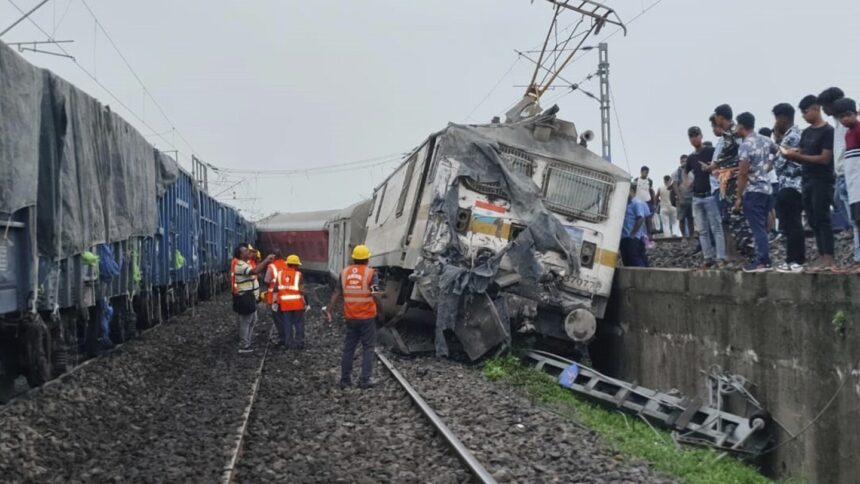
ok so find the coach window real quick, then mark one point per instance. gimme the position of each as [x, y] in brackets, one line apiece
[381, 201]
[407, 181]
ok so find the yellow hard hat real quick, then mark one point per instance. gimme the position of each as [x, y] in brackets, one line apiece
[294, 260]
[360, 252]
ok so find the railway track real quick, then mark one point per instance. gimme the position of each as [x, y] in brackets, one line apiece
[464, 454]
[299, 426]
[229, 475]
[478, 471]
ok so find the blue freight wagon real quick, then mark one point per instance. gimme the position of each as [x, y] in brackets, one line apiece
[101, 235]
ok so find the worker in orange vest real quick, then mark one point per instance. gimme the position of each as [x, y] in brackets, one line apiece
[362, 301]
[291, 303]
[271, 278]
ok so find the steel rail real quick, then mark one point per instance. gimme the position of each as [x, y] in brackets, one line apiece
[229, 474]
[462, 452]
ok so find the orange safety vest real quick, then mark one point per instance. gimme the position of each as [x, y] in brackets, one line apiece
[272, 273]
[358, 300]
[233, 287]
[289, 290]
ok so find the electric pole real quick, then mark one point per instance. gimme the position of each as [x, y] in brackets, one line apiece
[603, 71]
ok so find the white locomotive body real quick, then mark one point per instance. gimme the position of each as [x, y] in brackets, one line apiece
[500, 228]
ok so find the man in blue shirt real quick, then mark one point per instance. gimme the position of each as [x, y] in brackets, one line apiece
[754, 188]
[633, 232]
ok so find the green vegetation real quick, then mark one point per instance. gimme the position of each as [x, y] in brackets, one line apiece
[627, 434]
[839, 320]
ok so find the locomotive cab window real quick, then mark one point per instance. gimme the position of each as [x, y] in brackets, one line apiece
[518, 160]
[578, 192]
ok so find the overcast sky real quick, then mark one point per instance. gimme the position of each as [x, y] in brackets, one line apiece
[286, 85]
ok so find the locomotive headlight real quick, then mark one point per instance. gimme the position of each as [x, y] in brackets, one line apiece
[586, 254]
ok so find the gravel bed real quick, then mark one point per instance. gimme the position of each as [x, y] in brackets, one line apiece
[516, 440]
[677, 253]
[165, 408]
[305, 429]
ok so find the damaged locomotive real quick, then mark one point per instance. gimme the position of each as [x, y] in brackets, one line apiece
[489, 230]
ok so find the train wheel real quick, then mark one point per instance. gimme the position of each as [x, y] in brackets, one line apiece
[39, 353]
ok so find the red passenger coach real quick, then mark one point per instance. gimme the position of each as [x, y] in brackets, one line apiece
[303, 234]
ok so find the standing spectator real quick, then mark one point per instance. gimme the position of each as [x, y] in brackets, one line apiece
[753, 188]
[826, 99]
[668, 212]
[684, 195]
[645, 193]
[774, 183]
[727, 164]
[715, 171]
[633, 232]
[706, 213]
[816, 156]
[789, 201]
[846, 110]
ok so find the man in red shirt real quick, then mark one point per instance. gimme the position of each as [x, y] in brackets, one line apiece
[845, 110]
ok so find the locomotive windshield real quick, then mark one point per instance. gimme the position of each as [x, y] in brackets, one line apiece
[578, 192]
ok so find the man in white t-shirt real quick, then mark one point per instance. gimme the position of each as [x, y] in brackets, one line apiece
[668, 211]
[826, 100]
[645, 193]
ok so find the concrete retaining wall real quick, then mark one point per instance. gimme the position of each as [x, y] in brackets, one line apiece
[667, 326]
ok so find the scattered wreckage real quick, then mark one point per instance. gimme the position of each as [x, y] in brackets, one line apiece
[691, 420]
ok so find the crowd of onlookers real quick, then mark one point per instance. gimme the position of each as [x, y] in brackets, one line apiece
[752, 188]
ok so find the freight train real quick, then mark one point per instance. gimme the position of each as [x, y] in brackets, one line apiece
[101, 235]
[487, 230]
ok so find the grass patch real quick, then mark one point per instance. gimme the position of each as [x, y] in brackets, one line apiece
[626, 433]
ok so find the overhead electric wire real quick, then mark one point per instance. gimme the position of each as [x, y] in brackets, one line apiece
[325, 169]
[496, 86]
[94, 79]
[25, 16]
[136, 76]
[619, 29]
[620, 131]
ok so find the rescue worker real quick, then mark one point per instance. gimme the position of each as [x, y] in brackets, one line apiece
[247, 294]
[362, 301]
[291, 303]
[271, 279]
[233, 288]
